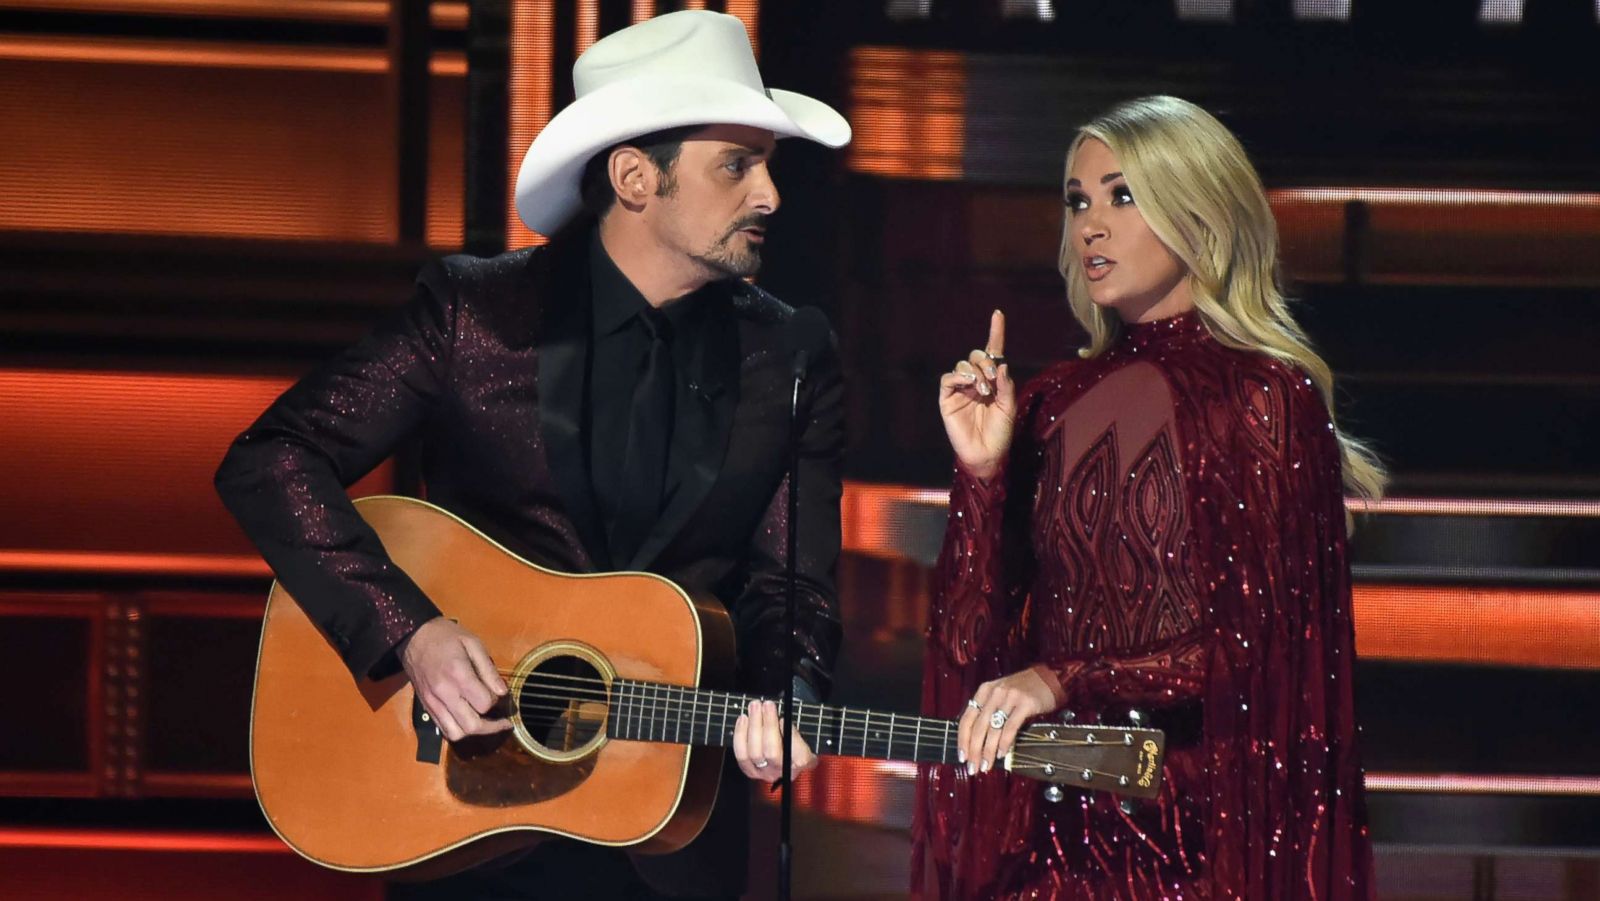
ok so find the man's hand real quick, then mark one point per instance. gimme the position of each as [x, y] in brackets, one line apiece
[454, 678]
[758, 744]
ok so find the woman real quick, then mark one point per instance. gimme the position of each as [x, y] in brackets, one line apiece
[1155, 527]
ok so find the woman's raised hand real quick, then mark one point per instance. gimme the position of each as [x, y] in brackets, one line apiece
[979, 404]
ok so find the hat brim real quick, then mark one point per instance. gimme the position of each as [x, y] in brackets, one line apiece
[547, 183]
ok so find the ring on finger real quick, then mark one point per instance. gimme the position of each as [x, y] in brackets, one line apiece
[997, 720]
[761, 764]
[973, 703]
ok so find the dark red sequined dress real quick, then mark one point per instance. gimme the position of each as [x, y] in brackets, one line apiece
[1168, 535]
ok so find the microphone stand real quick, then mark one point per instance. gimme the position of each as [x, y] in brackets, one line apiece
[785, 807]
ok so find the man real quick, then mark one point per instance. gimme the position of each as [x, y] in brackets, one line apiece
[618, 400]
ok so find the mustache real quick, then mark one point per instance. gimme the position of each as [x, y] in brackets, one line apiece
[754, 220]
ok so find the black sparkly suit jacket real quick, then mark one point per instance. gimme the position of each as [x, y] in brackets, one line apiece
[485, 369]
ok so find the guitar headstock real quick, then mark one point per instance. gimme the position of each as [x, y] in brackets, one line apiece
[1125, 760]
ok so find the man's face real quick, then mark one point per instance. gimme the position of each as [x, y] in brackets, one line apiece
[721, 193]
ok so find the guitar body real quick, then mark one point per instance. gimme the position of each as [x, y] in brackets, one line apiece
[335, 763]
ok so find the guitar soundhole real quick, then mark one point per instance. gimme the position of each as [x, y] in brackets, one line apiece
[563, 704]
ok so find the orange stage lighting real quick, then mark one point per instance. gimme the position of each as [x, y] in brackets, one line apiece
[118, 470]
[1484, 625]
[749, 12]
[444, 14]
[531, 97]
[1443, 236]
[141, 840]
[133, 141]
[588, 24]
[908, 111]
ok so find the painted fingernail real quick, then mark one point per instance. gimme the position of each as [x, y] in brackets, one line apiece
[961, 755]
[972, 768]
[985, 767]
[983, 388]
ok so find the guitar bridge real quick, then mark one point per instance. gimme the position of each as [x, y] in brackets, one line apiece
[430, 741]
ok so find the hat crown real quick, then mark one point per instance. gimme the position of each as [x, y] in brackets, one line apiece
[690, 42]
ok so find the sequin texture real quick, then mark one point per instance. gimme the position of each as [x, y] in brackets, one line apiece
[1168, 536]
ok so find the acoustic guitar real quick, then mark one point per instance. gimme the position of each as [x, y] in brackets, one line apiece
[619, 711]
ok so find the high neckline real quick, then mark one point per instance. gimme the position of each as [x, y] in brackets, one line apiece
[1172, 330]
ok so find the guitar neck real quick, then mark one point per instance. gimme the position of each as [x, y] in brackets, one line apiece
[648, 711]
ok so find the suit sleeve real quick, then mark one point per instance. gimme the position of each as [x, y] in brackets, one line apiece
[758, 613]
[284, 478]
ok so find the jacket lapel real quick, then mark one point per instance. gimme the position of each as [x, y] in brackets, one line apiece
[563, 370]
[700, 433]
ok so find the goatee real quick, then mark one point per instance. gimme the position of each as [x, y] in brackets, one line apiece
[735, 259]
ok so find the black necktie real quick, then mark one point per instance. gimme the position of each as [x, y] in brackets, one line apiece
[644, 461]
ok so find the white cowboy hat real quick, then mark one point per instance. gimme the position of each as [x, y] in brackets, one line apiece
[685, 68]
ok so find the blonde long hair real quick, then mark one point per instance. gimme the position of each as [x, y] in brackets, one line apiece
[1197, 190]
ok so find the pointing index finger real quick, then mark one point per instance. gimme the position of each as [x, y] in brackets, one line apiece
[997, 335]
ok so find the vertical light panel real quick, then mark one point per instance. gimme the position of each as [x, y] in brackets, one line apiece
[1322, 10]
[643, 9]
[1038, 10]
[532, 58]
[588, 28]
[1205, 10]
[1500, 12]
[908, 10]
[748, 12]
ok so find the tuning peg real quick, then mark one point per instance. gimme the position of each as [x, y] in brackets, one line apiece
[1054, 794]
[1136, 717]
[1129, 806]
[1068, 716]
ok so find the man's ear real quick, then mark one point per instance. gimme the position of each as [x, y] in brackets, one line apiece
[633, 176]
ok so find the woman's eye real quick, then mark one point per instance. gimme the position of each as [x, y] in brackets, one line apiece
[1077, 203]
[1120, 195]
[734, 167]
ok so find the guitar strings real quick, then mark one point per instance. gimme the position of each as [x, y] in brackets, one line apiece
[644, 727]
[1019, 761]
[646, 697]
[696, 699]
[648, 694]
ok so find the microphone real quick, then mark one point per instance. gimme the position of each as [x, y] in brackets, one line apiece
[810, 336]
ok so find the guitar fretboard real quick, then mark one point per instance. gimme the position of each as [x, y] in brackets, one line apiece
[648, 711]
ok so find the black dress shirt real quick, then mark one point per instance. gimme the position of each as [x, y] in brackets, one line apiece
[619, 346]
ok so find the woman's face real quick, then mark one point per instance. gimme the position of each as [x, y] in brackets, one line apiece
[1129, 270]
